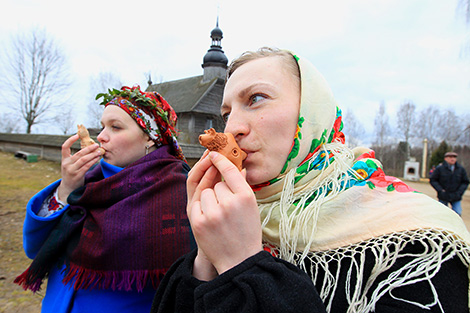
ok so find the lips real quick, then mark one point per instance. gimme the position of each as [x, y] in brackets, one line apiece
[248, 153]
[105, 151]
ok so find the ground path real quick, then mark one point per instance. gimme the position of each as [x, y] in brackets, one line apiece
[427, 189]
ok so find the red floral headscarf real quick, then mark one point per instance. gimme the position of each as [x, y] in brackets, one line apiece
[150, 111]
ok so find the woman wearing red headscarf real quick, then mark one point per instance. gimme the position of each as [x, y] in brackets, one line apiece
[104, 235]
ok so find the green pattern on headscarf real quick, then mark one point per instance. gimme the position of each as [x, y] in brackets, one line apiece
[295, 145]
[318, 142]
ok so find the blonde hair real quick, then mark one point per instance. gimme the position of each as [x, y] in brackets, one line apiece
[264, 52]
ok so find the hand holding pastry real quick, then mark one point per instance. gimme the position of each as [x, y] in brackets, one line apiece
[74, 167]
[85, 139]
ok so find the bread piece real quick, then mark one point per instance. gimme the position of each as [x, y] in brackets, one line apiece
[225, 144]
[85, 139]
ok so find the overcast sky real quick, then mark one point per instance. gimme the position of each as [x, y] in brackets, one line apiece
[368, 50]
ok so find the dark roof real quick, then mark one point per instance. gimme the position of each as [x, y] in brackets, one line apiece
[217, 33]
[184, 94]
[215, 56]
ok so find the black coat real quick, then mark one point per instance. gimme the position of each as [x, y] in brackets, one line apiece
[263, 283]
[449, 185]
[260, 284]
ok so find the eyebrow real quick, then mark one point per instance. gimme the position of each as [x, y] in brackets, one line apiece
[111, 120]
[223, 106]
[242, 93]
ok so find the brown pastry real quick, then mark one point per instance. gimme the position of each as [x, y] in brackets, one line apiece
[85, 139]
[223, 143]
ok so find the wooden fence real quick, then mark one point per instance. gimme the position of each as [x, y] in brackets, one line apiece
[48, 147]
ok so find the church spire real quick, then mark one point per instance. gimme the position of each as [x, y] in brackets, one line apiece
[215, 61]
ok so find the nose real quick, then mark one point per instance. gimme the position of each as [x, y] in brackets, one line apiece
[237, 124]
[102, 136]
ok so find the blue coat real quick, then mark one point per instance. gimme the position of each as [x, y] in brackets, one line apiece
[62, 298]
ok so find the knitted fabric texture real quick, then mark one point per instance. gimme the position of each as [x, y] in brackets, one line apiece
[122, 232]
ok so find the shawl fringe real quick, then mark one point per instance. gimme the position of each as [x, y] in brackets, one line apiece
[31, 280]
[295, 227]
[83, 278]
[439, 247]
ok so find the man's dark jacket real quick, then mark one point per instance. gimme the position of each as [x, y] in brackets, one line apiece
[450, 185]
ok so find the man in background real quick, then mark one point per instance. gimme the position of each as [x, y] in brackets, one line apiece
[450, 181]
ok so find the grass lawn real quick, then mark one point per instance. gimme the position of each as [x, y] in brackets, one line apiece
[19, 181]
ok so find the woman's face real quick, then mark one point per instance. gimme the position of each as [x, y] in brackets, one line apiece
[261, 107]
[121, 137]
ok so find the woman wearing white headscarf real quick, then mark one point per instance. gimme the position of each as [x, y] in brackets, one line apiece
[367, 241]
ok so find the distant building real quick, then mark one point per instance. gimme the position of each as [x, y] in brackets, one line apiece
[197, 99]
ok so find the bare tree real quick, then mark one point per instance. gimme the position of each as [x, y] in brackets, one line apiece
[452, 126]
[37, 75]
[406, 117]
[463, 10]
[463, 6]
[465, 136]
[430, 127]
[148, 75]
[382, 133]
[353, 129]
[9, 123]
[65, 120]
[100, 84]
[382, 126]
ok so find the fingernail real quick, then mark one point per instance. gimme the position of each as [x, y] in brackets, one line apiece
[213, 154]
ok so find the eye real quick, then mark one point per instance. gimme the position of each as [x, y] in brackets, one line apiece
[256, 97]
[225, 117]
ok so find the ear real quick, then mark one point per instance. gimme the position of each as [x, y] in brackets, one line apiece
[150, 142]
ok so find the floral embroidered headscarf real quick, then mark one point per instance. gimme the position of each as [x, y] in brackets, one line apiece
[320, 171]
[330, 203]
[319, 123]
[150, 111]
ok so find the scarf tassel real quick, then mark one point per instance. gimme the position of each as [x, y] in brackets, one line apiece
[83, 278]
[30, 280]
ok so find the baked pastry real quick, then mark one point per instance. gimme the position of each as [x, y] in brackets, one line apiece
[225, 144]
[85, 139]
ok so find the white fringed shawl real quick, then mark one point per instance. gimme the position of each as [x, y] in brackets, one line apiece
[331, 202]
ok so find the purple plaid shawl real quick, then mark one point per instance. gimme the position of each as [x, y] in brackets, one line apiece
[122, 232]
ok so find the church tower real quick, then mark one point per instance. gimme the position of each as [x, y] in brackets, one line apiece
[197, 99]
[215, 61]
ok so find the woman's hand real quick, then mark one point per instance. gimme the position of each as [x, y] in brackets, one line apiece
[74, 167]
[203, 268]
[224, 214]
